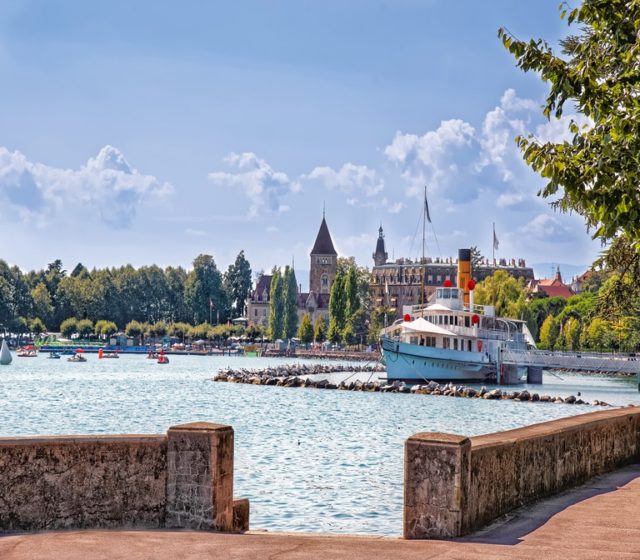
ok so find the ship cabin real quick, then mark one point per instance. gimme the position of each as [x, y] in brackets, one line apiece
[449, 325]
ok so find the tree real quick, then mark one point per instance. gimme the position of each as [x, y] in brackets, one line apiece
[319, 329]
[476, 257]
[549, 332]
[337, 304]
[42, 304]
[597, 335]
[85, 327]
[596, 174]
[36, 326]
[290, 303]
[276, 307]
[334, 334]
[203, 291]
[502, 291]
[305, 332]
[237, 282]
[180, 330]
[134, 329]
[571, 334]
[68, 327]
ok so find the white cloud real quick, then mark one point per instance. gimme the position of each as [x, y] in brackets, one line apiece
[557, 130]
[106, 184]
[350, 179]
[195, 232]
[355, 243]
[516, 201]
[272, 229]
[262, 185]
[546, 228]
[395, 208]
[511, 102]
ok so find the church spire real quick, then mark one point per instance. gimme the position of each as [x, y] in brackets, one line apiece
[323, 244]
[380, 256]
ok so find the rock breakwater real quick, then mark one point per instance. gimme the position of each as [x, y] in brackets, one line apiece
[292, 379]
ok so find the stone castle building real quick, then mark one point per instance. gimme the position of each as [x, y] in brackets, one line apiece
[399, 283]
[323, 267]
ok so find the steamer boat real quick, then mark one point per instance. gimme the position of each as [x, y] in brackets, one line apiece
[451, 339]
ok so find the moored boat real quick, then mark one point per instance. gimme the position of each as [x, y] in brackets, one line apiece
[451, 339]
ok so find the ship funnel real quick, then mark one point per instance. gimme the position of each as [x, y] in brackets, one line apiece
[464, 272]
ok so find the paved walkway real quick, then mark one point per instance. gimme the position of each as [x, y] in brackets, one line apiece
[598, 521]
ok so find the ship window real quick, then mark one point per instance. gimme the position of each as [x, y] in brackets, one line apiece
[439, 294]
[455, 343]
[454, 294]
[469, 345]
[446, 342]
[466, 321]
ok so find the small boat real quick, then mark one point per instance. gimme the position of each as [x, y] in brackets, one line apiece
[77, 358]
[54, 356]
[163, 359]
[153, 355]
[27, 352]
[111, 355]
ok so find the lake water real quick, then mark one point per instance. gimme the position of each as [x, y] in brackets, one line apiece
[308, 459]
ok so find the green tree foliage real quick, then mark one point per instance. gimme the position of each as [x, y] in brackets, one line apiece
[549, 332]
[180, 330]
[42, 304]
[69, 326]
[503, 291]
[337, 305]
[276, 308]
[134, 329]
[290, 303]
[237, 282]
[597, 335]
[105, 328]
[203, 289]
[596, 173]
[569, 338]
[203, 331]
[85, 327]
[319, 329]
[36, 326]
[305, 331]
[537, 310]
[377, 323]
[334, 333]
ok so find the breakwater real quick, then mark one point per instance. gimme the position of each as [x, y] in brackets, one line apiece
[289, 376]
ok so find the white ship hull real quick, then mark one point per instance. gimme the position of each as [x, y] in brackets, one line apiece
[412, 363]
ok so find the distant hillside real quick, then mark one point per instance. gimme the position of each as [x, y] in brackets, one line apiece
[568, 271]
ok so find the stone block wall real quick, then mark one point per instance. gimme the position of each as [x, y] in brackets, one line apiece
[455, 485]
[180, 480]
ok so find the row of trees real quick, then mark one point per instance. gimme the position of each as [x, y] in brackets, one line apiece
[123, 294]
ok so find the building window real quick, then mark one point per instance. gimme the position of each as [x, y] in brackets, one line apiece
[324, 285]
[255, 312]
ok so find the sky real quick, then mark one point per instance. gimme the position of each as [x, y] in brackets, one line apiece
[149, 132]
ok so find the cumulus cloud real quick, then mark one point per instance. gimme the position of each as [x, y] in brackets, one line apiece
[350, 179]
[511, 102]
[438, 158]
[546, 228]
[260, 183]
[557, 130]
[107, 183]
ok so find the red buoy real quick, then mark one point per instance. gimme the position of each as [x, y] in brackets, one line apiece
[471, 284]
[475, 319]
[447, 283]
[407, 317]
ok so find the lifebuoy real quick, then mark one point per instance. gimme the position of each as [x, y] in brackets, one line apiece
[479, 344]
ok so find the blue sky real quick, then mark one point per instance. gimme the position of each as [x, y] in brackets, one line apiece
[149, 132]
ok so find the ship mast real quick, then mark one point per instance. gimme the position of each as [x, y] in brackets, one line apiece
[424, 262]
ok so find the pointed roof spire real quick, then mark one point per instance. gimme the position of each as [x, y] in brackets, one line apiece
[323, 244]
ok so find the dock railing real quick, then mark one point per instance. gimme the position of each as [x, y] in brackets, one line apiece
[580, 361]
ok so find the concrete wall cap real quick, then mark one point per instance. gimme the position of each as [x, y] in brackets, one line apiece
[201, 427]
[81, 439]
[438, 438]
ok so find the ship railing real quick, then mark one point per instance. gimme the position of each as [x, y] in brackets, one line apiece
[584, 361]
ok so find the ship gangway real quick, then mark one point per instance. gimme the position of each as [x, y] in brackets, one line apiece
[577, 361]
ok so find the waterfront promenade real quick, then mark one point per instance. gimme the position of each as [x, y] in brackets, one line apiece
[596, 521]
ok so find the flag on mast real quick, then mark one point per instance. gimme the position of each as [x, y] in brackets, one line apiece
[496, 243]
[426, 205]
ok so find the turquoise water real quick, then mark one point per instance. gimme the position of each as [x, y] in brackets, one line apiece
[308, 459]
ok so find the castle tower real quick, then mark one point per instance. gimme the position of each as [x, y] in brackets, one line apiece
[324, 261]
[380, 256]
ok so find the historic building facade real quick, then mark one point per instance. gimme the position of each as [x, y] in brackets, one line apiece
[323, 266]
[400, 283]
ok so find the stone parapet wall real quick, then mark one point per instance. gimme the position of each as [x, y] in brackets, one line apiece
[183, 480]
[455, 485]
